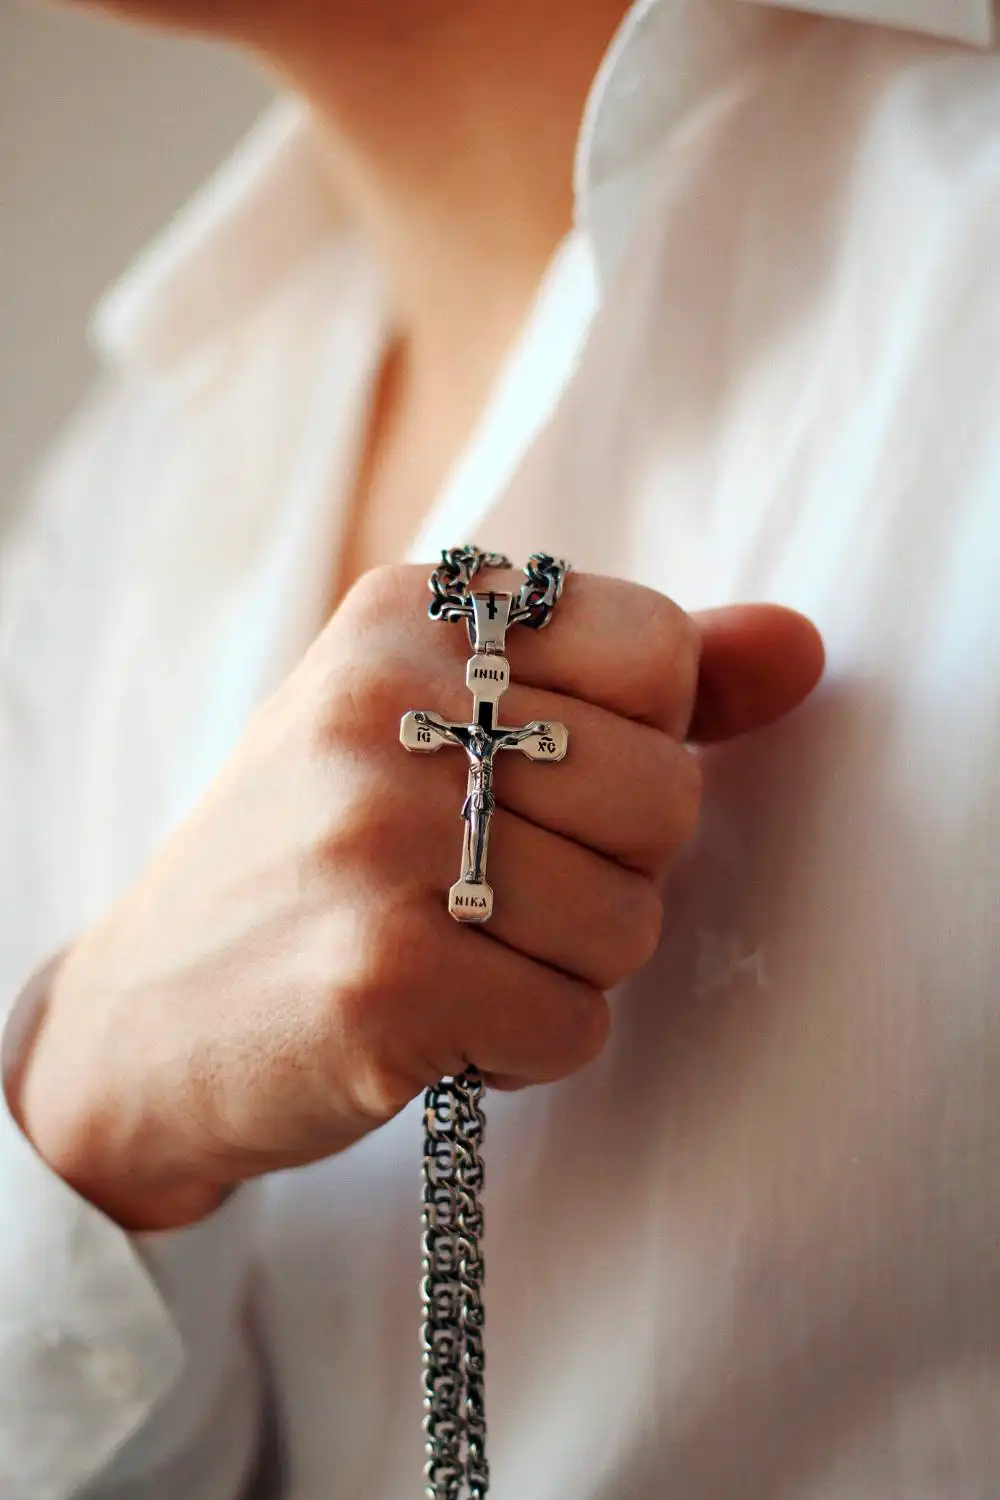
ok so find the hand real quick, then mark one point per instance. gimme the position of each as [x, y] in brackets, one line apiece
[285, 976]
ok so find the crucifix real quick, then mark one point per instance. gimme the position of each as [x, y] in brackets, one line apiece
[487, 676]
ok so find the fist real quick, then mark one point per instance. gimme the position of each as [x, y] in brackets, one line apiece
[285, 976]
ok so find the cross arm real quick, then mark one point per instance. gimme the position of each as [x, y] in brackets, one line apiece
[541, 740]
[424, 732]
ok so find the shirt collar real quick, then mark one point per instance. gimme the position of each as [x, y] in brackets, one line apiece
[265, 210]
[272, 203]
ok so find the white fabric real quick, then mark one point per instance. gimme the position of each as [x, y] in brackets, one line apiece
[755, 1249]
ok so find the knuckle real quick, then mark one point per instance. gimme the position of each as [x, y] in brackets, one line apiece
[366, 701]
[638, 935]
[648, 926]
[375, 1086]
[393, 945]
[684, 675]
[578, 1036]
[371, 1009]
[384, 694]
[674, 669]
[591, 1027]
[687, 797]
[366, 825]
[668, 616]
[670, 808]
[378, 591]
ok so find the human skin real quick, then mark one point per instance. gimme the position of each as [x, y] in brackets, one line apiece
[273, 986]
[447, 131]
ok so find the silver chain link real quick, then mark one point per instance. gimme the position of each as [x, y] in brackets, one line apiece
[451, 1287]
[544, 576]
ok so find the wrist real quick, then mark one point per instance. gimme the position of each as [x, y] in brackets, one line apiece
[81, 1125]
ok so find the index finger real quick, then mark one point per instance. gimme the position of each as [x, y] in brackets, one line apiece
[621, 646]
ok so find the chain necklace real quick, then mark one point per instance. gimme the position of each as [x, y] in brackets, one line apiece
[451, 1287]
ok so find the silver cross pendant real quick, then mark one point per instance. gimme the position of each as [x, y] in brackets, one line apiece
[487, 677]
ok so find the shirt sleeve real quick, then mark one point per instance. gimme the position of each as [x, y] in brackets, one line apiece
[127, 1369]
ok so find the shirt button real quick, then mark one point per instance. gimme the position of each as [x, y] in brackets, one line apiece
[114, 1370]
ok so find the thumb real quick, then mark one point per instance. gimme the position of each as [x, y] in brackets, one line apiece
[758, 661]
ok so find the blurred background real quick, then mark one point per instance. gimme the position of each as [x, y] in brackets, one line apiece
[104, 131]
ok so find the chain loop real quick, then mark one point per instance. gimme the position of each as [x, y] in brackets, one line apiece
[451, 579]
[452, 1289]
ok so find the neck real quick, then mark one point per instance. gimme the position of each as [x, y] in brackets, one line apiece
[450, 130]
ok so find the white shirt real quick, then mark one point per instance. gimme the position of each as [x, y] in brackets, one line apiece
[755, 1249]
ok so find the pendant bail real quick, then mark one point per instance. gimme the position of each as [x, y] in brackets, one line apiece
[490, 618]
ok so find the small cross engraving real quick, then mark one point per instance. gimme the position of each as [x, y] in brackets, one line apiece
[487, 676]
